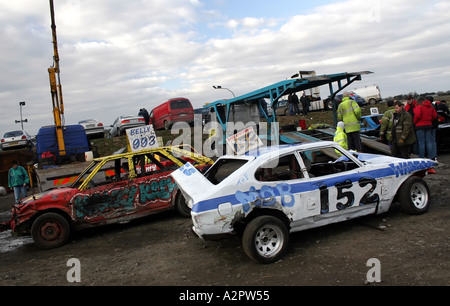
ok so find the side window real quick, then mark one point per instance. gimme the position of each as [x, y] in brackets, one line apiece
[286, 169]
[326, 161]
[112, 171]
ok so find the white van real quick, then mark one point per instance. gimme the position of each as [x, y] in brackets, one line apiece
[369, 93]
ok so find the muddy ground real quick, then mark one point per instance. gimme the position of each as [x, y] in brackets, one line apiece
[162, 250]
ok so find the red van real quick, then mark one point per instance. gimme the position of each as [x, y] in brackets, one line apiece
[174, 110]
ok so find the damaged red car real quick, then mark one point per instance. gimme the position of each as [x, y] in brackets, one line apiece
[111, 189]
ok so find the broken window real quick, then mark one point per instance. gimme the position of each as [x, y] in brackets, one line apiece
[326, 161]
[223, 168]
[287, 168]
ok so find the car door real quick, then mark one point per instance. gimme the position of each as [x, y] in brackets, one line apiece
[278, 183]
[110, 194]
[340, 186]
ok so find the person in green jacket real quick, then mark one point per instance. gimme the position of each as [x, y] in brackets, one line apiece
[18, 180]
[403, 135]
[386, 123]
[350, 113]
[340, 137]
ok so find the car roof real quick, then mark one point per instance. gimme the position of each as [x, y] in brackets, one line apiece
[282, 149]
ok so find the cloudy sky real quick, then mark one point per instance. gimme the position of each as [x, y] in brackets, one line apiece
[119, 56]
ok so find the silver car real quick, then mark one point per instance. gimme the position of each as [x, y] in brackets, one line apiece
[93, 128]
[15, 140]
[125, 122]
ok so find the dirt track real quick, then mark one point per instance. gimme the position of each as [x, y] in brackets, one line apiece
[162, 250]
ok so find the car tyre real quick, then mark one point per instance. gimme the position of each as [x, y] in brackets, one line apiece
[166, 125]
[414, 196]
[181, 206]
[265, 239]
[50, 230]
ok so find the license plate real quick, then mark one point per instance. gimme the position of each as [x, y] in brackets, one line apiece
[90, 125]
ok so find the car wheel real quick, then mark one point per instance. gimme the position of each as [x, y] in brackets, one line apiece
[50, 230]
[372, 101]
[166, 125]
[265, 239]
[181, 206]
[414, 196]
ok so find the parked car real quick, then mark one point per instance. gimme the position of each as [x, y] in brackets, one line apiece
[369, 93]
[280, 190]
[174, 110]
[16, 140]
[125, 122]
[282, 108]
[354, 97]
[116, 188]
[204, 112]
[93, 128]
[370, 125]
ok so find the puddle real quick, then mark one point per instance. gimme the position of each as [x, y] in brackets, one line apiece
[8, 242]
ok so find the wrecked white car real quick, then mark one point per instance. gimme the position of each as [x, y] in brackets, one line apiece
[290, 188]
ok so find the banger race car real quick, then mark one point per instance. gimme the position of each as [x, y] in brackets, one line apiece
[276, 190]
[112, 189]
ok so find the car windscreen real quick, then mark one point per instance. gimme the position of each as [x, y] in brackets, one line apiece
[13, 134]
[180, 104]
[223, 168]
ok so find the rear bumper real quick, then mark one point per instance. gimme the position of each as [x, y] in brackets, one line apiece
[19, 143]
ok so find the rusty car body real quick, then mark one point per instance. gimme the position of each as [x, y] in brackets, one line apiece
[111, 189]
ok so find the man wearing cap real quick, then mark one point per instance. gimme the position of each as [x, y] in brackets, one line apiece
[350, 113]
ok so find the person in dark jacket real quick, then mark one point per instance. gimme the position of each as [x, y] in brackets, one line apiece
[403, 136]
[424, 115]
[144, 113]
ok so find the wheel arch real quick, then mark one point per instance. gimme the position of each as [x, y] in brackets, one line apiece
[256, 212]
[52, 210]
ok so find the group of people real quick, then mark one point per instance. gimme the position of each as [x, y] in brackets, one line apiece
[407, 129]
[412, 128]
[294, 102]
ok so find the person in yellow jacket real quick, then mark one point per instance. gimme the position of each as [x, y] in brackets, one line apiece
[350, 113]
[340, 137]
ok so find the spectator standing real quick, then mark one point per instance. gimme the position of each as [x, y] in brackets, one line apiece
[144, 113]
[386, 123]
[424, 114]
[18, 180]
[291, 104]
[339, 136]
[350, 113]
[411, 103]
[403, 136]
[305, 104]
[442, 109]
[295, 103]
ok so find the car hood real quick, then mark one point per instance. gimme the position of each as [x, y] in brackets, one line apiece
[53, 198]
[416, 163]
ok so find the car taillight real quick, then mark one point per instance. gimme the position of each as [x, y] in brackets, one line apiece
[100, 124]
[141, 119]
[3, 140]
[125, 121]
[24, 137]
